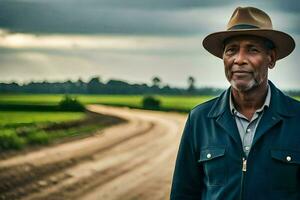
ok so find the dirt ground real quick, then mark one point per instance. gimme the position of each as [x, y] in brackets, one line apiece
[129, 161]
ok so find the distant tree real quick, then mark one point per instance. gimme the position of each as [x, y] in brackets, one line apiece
[94, 85]
[94, 80]
[156, 81]
[81, 86]
[69, 86]
[70, 104]
[80, 82]
[118, 87]
[150, 102]
[191, 84]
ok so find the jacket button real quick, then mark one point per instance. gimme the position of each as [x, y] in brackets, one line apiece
[208, 155]
[288, 158]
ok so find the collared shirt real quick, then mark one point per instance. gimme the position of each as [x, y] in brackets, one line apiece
[245, 127]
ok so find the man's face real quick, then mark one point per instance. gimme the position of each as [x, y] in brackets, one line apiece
[246, 60]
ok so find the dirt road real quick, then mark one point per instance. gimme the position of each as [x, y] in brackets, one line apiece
[130, 161]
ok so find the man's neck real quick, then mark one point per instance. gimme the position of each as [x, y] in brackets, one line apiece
[247, 102]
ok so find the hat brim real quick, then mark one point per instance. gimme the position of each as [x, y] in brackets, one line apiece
[284, 43]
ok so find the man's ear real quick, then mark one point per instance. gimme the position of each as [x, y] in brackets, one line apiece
[272, 58]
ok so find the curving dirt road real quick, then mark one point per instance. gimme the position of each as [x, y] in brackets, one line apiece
[130, 161]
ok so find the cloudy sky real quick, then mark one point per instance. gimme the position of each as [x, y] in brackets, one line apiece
[132, 40]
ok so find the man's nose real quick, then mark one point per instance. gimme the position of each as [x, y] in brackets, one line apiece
[240, 57]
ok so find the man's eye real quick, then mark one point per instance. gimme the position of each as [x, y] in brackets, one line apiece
[254, 50]
[230, 50]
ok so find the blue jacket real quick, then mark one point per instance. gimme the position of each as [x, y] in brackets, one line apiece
[210, 163]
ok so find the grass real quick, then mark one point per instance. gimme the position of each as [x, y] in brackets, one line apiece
[10, 139]
[173, 102]
[182, 102]
[167, 102]
[19, 129]
[31, 99]
[20, 117]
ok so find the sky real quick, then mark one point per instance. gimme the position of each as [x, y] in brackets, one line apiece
[131, 40]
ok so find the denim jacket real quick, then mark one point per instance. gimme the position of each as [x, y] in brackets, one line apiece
[211, 163]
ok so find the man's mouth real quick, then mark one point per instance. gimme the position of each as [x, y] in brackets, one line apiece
[240, 72]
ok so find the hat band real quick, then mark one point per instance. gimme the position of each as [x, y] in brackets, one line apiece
[243, 26]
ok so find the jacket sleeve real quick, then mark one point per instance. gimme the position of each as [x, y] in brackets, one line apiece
[187, 177]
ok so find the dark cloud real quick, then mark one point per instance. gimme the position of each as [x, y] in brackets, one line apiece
[288, 6]
[151, 17]
[159, 4]
[136, 4]
[103, 16]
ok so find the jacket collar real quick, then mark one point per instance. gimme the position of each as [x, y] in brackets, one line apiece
[279, 103]
[220, 105]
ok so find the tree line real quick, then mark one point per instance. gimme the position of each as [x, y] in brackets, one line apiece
[96, 86]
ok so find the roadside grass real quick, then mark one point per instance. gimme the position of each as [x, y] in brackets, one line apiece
[20, 129]
[26, 122]
[42, 128]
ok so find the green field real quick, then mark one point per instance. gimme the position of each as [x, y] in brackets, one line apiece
[19, 128]
[21, 117]
[24, 117]
[183, 103]
[168, 102]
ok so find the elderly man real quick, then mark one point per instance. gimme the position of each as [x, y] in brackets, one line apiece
[244, 144]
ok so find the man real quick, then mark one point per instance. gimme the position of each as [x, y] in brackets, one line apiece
[244, 144]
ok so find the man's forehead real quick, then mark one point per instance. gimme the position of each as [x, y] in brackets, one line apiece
[246, 39]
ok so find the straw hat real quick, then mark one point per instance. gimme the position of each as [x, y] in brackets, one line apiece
[250, 21]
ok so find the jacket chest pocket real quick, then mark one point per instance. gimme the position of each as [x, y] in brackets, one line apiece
[214, 165]
[285, 169]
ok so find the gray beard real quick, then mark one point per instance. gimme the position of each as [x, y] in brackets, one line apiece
[250, 85]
